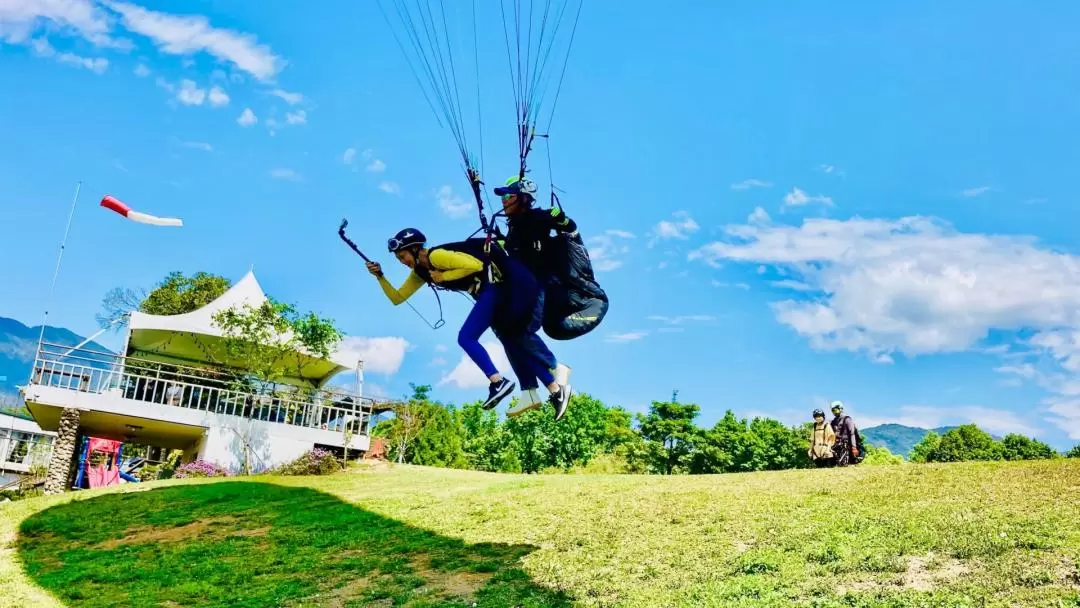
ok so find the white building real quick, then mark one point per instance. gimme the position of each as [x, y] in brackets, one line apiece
[175, 387]
[23, 445]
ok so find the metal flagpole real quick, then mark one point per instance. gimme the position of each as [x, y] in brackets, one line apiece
[56, 273]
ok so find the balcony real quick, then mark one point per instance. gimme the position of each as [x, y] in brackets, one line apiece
[204, 389]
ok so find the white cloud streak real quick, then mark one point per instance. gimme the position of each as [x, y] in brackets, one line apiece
[349, 156]
[751, 183]
[218, 97]
[382, 355]
[626, 337]
[606, 251]
[247, 118]
[390, 187]
[452, 206]
[973, 192]
[286, 174]
[290, 98]
[184, 35]
[799, 198]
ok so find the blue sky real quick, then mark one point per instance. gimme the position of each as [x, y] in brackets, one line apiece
[788, 204]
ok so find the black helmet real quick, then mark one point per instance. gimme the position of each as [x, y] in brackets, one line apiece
[819, 413]
[406, 238]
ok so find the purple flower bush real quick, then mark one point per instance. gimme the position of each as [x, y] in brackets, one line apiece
[312, 462]
[200, 468]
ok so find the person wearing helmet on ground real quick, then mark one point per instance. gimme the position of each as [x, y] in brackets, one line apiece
[506, 298]
[822, 440]
[548, 243]
[848, 448]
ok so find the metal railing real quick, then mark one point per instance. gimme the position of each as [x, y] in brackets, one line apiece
[200, 388]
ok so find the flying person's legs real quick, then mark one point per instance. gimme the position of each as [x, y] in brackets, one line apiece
[476, 323]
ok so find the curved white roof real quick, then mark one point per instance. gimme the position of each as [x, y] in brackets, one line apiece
[188, 337]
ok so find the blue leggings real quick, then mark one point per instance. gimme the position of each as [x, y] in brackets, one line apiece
[529, 357]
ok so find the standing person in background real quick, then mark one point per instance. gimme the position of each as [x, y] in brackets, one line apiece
[822, 441]
[849, 446]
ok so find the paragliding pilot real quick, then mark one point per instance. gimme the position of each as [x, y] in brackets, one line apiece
[507, 299]
[548, 243]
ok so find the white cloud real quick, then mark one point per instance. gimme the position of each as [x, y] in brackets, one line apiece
[218, 97]
[288, 174]
[798, 198]
[973, 192]
[743, 286]
[606, 250]
[681, 228]
[917, 286]
[290, 98]
[439, 362]
[349, 156]
[298, 117]
[390, 187]
[190, 94]
[750, 183]
[383, 355]
[376, 166]
[467, 375]
[625, 338]
[19, 19]
[98, 65]
[441, 348]
[142, 71]
[759, 216]
[247, 118]
[187, 34]
[790, 284]
[452, 206]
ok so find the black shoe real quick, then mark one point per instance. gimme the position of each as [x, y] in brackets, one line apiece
[560, 400]
[497, 392]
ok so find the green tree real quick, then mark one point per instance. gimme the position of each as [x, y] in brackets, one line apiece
[439, 442]
[1019, 447]
[1074, 452]
[670, 431]
[401, 431]
[178, 294]
[542, 443]
[927, 448]
[881, 456]
[783, 447]
[966, 442]
[487, 445]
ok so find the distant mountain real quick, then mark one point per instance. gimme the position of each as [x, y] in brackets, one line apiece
[18, 344]
[899, 439]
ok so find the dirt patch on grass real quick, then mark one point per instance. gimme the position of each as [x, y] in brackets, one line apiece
[339, 597]
[919, 576]
[217, 527]
[449, 583]
[923, 573]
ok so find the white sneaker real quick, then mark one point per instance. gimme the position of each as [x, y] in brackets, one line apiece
[529, 400]
[562, 374]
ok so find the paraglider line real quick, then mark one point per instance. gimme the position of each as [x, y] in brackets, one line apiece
[59, 258]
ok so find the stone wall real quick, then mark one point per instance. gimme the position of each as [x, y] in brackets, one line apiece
[60, 464]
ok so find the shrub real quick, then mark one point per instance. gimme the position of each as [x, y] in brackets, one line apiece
[200, 468]
[312, 462]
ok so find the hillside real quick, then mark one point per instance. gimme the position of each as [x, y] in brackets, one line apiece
[972, 534]
[18, 343]
[899, 439]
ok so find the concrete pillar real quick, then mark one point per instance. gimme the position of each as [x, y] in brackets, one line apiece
[61, 462]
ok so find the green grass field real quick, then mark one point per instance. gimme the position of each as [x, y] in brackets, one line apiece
[979, 534]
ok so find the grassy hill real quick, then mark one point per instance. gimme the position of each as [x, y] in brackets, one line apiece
[973, 534]
[18, 343]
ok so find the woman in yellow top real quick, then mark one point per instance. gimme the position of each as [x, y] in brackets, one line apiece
[822, 440]
[507, 299]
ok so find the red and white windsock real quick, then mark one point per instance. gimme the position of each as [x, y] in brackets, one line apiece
[120, 207]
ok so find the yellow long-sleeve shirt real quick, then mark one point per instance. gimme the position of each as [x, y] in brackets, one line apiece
[452, 265]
